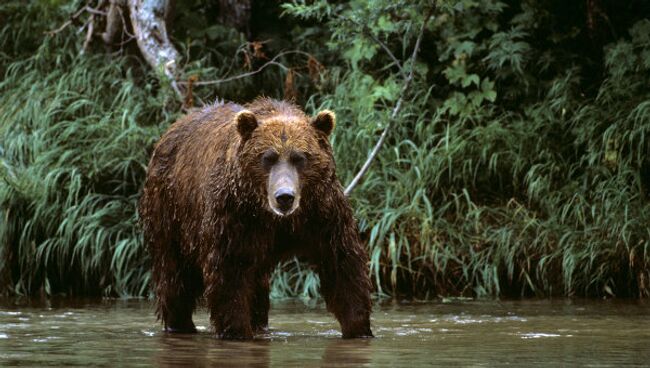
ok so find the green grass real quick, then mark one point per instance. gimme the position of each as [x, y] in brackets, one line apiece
[75, 149]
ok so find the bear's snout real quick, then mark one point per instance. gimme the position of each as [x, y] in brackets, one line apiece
[284, 197]
[283, 188]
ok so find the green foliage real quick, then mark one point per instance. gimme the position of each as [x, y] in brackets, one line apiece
[517, 166]
[512, 170]
[76, 132]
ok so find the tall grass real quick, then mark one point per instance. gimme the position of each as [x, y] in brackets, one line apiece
[76, 133]
[75, 146]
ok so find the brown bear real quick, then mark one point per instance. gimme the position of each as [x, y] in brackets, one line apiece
[231, 191]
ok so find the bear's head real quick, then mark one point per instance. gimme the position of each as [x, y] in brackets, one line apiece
[285, 157]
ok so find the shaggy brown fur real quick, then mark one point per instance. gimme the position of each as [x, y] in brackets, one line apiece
[210, 232]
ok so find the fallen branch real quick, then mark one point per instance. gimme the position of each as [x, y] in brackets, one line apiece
[398, 106]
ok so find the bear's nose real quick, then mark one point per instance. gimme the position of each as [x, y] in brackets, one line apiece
[284, 197]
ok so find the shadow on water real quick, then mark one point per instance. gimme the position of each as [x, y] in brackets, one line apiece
[531, 333]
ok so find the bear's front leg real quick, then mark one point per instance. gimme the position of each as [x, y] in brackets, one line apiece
[347, 295]
[345, 283]
[229, 301]
[260, 303]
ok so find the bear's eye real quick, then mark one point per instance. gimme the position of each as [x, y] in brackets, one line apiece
[298, 159]
[269, 158]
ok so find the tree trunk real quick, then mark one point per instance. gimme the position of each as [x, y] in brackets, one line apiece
[148, 21]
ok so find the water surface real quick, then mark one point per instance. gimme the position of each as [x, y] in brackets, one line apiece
[461, 333]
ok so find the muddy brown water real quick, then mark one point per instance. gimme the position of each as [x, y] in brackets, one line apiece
[124, 333]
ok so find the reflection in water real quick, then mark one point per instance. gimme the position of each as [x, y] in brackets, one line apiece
[352, 353]
[205, 351]
[529, 333]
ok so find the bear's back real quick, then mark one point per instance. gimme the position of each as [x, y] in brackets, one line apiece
[193, 152]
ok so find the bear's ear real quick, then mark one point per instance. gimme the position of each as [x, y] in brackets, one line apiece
[324, 122]
[246, 123]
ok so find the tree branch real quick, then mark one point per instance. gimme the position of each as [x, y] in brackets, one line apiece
[248, 74]
[398, 105]
[89, 33]
[366, 31]
[95, 11]
[73, 17]
[113, 21]
[390, 53]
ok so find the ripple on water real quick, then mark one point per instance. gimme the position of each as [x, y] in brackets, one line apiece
[280, 334]
[284, 334]
[62, 315]
[45, 339]
[449, 330]
[9, 326]
[148, 333]
[10, 313]
[402, 320]
[461, 320]
[537, 335]
[406, 331]
[510, 319]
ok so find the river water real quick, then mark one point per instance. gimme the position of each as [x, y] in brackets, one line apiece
[66, 332]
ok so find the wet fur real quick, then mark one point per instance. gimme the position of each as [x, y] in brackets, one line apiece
[210, 233]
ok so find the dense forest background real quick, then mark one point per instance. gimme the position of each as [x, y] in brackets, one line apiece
[516, 160]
